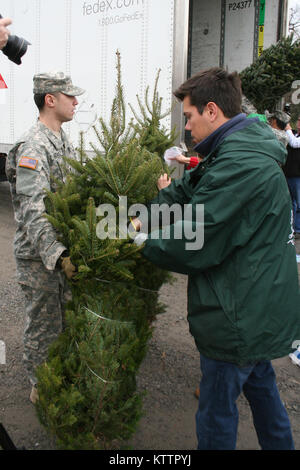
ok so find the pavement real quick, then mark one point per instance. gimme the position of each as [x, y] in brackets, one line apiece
[169, 373]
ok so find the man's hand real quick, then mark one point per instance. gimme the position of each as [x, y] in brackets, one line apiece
[163, 181]
[288, 127]
[4, 32]
[68, 268]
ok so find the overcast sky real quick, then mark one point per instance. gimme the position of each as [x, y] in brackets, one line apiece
[293, 3]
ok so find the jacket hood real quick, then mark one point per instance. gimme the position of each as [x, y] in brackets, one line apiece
[257, 137]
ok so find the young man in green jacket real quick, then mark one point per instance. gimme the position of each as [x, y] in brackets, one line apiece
[243, 292]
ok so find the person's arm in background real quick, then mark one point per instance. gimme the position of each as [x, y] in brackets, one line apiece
[191, 162]
[293, 141]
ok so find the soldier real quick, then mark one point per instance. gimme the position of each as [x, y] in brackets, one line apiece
[278, 121]
[32, 163]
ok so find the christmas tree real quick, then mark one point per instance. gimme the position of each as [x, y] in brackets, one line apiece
[152, 136]
[271, 76]
[88, 397]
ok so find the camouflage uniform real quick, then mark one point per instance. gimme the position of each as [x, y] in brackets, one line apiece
[247, 106]
[284, 118]
[33, 164]
[281, 136]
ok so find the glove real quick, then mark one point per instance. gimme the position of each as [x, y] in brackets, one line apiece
[68, 268]
[140, 239]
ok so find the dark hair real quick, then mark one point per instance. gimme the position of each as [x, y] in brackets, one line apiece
[280, 124]
[216, 85]
[39, 100]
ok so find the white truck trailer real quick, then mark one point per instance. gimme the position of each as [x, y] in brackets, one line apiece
[81, 38]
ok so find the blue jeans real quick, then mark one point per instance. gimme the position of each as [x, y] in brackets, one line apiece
[294, 187]
[217, 415]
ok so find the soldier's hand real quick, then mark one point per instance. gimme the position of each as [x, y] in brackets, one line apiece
[68, 267]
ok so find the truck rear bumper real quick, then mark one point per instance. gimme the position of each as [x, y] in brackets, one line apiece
[2, 167]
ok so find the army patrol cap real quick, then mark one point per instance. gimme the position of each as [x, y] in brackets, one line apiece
[54, 82]
[280, 115]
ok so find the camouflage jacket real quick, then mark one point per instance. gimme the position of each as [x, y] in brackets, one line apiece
[30, 166]
[281, 136]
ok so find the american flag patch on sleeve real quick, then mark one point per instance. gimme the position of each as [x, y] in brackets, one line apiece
[28, 162]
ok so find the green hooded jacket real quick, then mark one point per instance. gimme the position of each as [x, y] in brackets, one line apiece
[243, 291]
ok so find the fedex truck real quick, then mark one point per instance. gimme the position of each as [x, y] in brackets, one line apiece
[81, 38]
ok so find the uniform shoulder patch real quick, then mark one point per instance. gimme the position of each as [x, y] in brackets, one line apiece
[28, 162]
